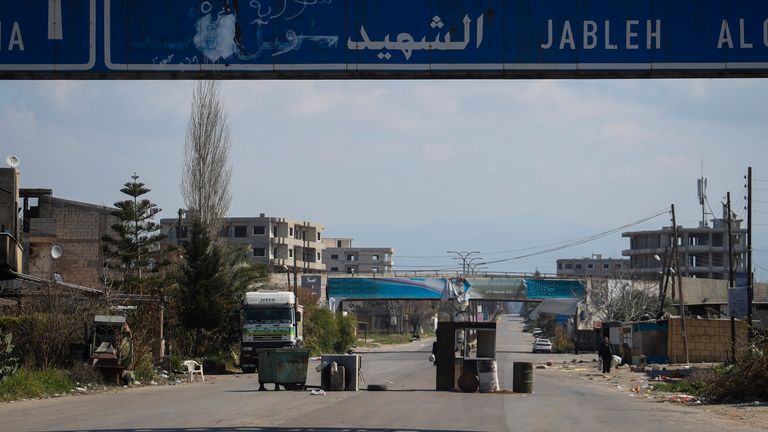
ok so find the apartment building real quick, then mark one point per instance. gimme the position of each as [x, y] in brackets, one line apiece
[340, 256]
[594, 266]
[703, 251]
[274, 241]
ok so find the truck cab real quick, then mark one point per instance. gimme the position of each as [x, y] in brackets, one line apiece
[269, 320]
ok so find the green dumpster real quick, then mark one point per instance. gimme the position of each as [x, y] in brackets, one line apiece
[283, 367]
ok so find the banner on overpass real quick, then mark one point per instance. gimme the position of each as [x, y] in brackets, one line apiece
[383, 39]
[498, 289]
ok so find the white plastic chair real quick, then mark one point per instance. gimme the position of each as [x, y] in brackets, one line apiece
[193, 368]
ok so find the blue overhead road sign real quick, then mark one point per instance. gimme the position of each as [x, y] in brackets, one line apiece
[47, 36]
[383, 39]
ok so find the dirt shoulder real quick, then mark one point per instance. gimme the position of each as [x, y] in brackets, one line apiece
[638, 385]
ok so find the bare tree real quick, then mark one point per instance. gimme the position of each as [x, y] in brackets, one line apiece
[207, 172]
[623, 299]
[419, 312]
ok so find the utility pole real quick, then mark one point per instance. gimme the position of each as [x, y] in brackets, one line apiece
[750, 290]
[295, 276]
[676, 259]
[731, 278]
[178, 229]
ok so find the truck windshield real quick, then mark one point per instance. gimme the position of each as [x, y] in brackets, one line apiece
[268, 315]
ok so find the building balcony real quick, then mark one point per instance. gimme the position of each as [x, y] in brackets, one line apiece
[641, 252]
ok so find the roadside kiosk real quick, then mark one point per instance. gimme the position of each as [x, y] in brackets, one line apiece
[462, 351]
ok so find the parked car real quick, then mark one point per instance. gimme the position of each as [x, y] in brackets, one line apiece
[542, 345]
[536, 332]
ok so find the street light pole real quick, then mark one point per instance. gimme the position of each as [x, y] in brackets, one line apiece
[463, 255]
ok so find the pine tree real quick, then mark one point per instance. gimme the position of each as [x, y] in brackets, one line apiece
[200, 284]
[134, 258]
[212, 282]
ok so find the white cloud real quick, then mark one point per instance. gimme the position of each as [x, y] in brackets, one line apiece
[406, 153]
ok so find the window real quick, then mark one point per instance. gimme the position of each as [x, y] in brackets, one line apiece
[375, 257]
[350, 270]
[618, 266]
[334, 256]
[318, 236]
[241, 231]
[568, 266]
[274, 252]
[290, 232]
[559, 266]
[350, 257]
[590, 266]
[338, 243]
[318, 256]
[274, 231]
[259, 252]
[334, 269]
[224, 232]
[290, 253]
[606, 266]
[259, 230]
[578, 266]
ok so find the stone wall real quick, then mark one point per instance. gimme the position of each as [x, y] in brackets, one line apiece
[709, 340]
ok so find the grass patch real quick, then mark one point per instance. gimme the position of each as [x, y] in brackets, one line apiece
[375, 340]
[35, 383]
[687, 386]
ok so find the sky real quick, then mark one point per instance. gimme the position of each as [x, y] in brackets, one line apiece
[494, 166]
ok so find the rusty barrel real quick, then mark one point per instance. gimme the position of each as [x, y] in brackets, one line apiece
[522, 377]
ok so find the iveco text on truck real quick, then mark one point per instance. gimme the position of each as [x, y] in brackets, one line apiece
[270, 320]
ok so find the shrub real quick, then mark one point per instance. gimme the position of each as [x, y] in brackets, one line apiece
[9, 362]
[326, 332]
[562, 342]
[347, 326]
[216, 363]
[747, 380]
[143, 369]
[320, 331]
[84, 374]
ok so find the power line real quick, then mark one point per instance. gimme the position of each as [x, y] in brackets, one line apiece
[587, 238]
[420, 256]
[579, 241]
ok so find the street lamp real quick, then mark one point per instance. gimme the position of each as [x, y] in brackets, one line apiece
[463, 255]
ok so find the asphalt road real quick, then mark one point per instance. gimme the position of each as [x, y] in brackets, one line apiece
[232, 403]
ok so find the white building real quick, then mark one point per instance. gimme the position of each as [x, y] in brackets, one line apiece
[277, 242]
[340, 256]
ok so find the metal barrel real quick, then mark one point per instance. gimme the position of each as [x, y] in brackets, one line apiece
[522, 377]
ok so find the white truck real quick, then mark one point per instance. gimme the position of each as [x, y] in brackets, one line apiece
[270, 320]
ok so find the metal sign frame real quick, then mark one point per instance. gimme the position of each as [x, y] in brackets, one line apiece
[393, 39]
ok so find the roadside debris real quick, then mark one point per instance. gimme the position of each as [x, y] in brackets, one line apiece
[682, 398]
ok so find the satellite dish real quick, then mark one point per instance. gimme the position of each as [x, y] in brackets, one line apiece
[56, 251]
[12, 161]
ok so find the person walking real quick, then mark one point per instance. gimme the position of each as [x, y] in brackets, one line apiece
[605, 352]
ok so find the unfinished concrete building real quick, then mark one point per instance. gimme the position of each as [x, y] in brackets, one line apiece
[75, 227]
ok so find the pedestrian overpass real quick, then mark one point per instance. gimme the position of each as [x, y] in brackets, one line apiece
[505, 289]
